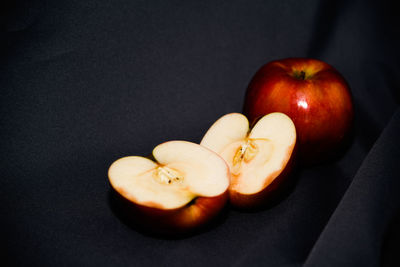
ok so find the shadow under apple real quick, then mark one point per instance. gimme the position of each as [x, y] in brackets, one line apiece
[130, 216]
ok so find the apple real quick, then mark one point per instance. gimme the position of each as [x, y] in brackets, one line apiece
[259, 159]
[313, 94]
[183, 189]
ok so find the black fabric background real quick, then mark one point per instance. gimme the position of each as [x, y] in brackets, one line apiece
[86, 82]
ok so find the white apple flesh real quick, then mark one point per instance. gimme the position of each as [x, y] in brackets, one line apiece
[258, 158]
[185, 188]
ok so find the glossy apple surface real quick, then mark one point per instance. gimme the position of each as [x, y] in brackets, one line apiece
[313, 94]
[183, 189]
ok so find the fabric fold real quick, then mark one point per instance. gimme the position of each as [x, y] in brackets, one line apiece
[355, 232]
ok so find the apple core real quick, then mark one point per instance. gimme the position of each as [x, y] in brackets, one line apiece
[165, 175]
[246, 152]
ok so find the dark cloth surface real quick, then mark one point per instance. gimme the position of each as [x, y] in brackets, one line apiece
[85, 82]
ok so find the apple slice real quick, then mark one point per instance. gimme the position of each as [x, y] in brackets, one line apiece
[185, 188]
[258, 159]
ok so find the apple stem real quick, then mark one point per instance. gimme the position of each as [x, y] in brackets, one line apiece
[302, 75]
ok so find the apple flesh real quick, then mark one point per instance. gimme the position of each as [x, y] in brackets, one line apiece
[313, 94]
[258, 159]
[184, 189]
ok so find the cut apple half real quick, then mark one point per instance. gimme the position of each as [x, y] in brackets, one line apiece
[183, 188]
[258, 158]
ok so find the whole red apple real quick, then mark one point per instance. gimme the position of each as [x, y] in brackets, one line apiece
[313, 94]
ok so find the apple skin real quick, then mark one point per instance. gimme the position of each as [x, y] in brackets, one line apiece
[272, 193]
[170, 222]
[313, 94]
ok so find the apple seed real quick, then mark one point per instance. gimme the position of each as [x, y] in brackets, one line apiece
[247, 151]
[165, 175]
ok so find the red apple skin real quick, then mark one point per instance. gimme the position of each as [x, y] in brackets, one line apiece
[269, 194]
[171, 222]
[319, 103]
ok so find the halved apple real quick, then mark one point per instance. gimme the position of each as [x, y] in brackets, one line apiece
[259, 159]
[185, 188]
